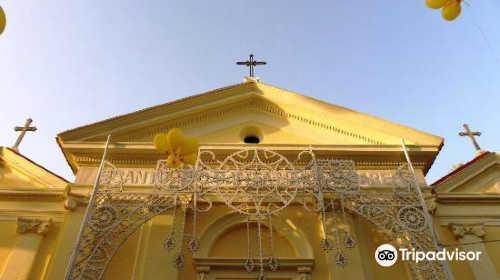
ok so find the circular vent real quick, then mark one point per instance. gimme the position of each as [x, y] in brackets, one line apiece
[251, 139]
[251, 135]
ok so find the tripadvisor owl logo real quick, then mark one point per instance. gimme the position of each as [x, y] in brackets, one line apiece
[386, 255]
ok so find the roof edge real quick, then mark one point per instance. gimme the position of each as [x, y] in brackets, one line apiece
[456, 171]
[61, 134]
[15, 153]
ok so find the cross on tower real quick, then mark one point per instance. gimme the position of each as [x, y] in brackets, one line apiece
[23, 130]
[251, 63]
[471, 136]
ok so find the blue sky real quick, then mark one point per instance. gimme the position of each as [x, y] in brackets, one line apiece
[69, 63]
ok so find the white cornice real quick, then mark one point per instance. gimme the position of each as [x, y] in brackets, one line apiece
[33, 194]
[144, 154]
[468, 198]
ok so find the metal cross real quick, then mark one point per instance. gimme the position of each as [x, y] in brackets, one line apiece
[23, 130]
[251, 63]
[471, 136]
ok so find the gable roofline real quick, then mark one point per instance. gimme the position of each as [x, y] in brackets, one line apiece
[439, 139]
[456, 180]
[9, 156]
[459, 169]
[152, 108]
[337, 119]
[357, 118]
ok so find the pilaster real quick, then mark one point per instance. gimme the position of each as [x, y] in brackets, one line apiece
[21, 259]
[471, 236]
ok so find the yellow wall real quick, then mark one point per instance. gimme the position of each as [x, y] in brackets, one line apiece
[8, 238]
[493, 233]
[461, 270]
[143, 255]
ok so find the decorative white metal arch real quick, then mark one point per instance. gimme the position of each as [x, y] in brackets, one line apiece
[258, 183]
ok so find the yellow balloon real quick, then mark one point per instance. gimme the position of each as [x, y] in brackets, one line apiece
[173, 161]
[3, 20]
[451, 10]
[435, 4]
[161, 143]
[189, 146]
[189, 159]
[175, 138]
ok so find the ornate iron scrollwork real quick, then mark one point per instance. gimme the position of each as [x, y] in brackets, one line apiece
[258, 183]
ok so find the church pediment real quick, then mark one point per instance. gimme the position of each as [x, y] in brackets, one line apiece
[257, 99]
[19, 173]
[481, 175]
[223, 116]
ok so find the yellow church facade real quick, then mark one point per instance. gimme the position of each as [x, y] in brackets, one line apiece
[285, 187]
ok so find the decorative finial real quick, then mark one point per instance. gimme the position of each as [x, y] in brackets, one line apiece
[251, 63]
[23, 130]
[472, 139]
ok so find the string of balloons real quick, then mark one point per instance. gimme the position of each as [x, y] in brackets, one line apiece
[451, 9]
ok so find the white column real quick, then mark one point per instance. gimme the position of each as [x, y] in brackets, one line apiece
[467, 233]
[22, 257]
